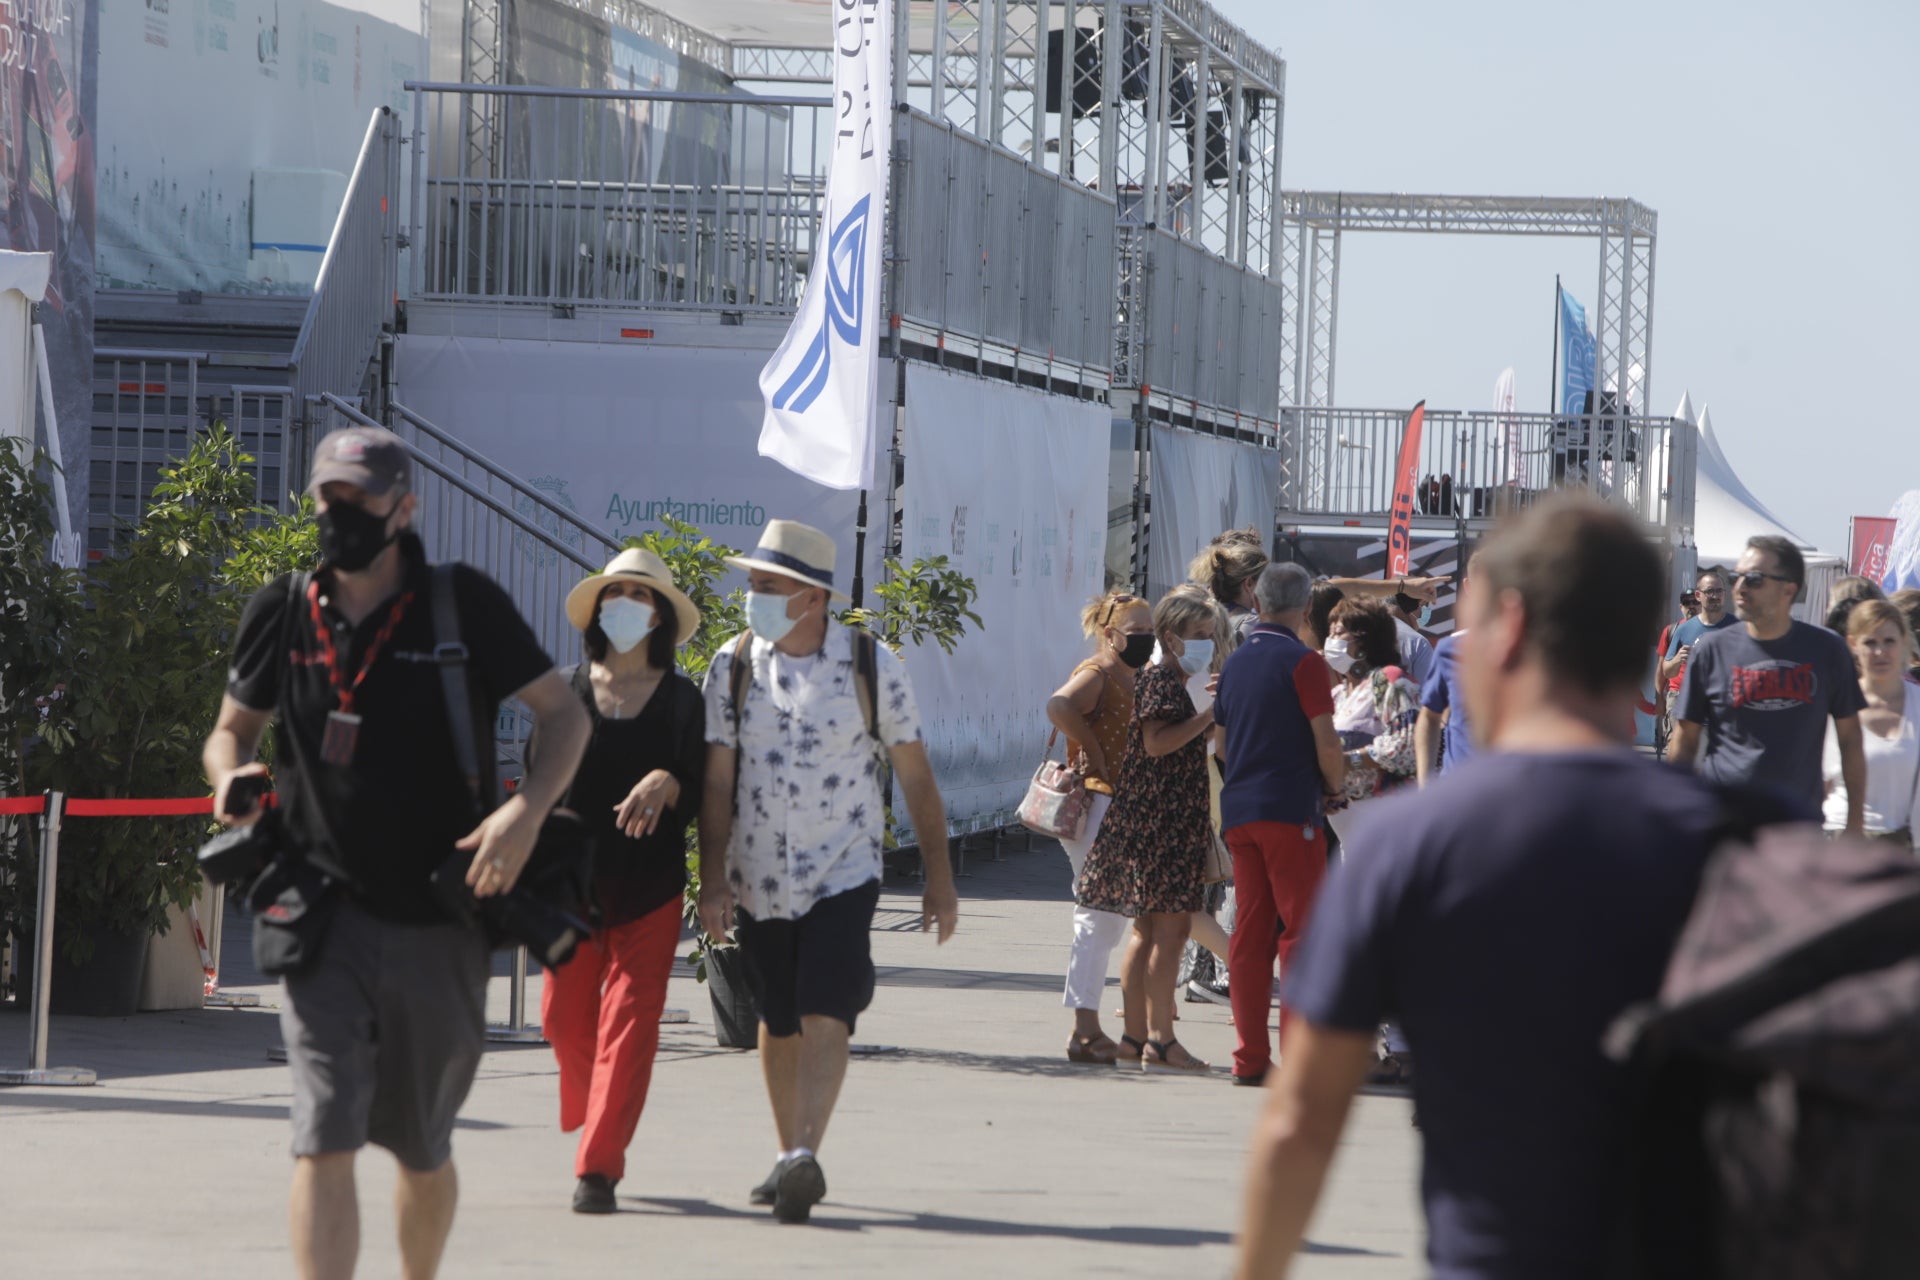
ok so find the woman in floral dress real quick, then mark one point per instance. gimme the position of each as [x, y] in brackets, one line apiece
[1148, 861]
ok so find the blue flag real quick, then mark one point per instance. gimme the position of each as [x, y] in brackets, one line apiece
[1578, 356]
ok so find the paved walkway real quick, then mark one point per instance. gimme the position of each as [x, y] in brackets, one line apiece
[968, 1148]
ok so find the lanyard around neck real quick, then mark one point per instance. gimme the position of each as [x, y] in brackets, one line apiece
[344, 689]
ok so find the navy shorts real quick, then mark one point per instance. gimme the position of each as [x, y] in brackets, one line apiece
[817, 965]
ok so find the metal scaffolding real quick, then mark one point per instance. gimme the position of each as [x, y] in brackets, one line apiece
[1313, 223]
[1163, 104]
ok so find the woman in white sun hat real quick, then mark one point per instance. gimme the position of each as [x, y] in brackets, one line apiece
[638, 788]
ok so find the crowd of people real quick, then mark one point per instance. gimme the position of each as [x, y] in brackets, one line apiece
[1280, 771]
[377, 665]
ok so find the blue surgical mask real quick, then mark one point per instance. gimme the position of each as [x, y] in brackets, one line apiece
[1198, 656]
[1426, 616]
[767, 616]
[625, 622]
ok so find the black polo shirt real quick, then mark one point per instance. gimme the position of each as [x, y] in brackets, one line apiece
[388, 819]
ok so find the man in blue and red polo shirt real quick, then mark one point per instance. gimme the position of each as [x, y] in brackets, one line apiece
[1281, 754]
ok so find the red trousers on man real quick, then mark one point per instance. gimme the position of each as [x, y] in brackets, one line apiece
[601, 1013]
[1277, 870]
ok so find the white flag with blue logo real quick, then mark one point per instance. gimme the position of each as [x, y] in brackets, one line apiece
[819, 387]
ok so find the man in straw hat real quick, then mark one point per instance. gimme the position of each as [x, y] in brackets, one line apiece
[386, 1024]
[799, 709]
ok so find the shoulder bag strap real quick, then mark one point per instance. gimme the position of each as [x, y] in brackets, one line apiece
[451, 655]
[866, 672]
[739, 677]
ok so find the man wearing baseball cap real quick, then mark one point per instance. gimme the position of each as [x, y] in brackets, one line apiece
[385, 1019]
[802, 713]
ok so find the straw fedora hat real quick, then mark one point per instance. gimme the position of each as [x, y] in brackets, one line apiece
[635, 564]
[794, 550]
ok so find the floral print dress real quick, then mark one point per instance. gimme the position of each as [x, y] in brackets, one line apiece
[1151, 852]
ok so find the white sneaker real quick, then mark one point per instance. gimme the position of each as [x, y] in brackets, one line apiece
[1198, 991]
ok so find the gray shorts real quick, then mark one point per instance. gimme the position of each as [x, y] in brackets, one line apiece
[384, 1034]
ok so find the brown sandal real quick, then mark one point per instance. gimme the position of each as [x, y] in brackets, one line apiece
[1095, 1051]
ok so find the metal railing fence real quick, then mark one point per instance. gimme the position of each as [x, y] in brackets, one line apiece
[589, 197]
[145, 414]
[353, 296]
[1343, 462]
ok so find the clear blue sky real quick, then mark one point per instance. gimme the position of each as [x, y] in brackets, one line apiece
[1780, 144]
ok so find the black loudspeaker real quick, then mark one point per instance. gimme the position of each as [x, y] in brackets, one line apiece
[1086, 71]
[1134, 76]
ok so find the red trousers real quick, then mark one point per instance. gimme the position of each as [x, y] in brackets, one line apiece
[1277, 870]
[601, 1013]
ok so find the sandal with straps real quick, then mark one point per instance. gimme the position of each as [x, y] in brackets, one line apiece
[1130, 1050]
[1160, 1064]
[1095, 1051]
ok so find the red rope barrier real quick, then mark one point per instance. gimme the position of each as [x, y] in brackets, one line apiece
[23, 806]
[139, 808]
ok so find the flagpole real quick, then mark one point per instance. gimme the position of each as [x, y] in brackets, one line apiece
[1553, 379]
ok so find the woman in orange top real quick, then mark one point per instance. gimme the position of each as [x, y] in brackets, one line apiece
[1093, 708]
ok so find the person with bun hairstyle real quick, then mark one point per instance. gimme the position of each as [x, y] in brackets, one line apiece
[1093, 709]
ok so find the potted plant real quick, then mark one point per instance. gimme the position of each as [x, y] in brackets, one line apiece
[132, 661]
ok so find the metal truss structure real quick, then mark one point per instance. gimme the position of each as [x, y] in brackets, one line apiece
[1163, 103]
[1313, 223]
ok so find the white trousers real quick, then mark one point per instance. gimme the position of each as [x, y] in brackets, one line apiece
[1095, 933]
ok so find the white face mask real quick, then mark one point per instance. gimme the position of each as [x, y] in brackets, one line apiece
[1197, 657]
[625, 621]
[767, 616]
[1337, 656]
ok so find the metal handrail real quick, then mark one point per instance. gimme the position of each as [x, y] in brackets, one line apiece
[466, 487]
[615, 95]
[499, 473]
[353, 296]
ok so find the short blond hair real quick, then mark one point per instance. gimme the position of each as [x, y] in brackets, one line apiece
[1186, 605]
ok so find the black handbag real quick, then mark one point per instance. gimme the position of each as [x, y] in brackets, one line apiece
[292, 902]
[558, 876]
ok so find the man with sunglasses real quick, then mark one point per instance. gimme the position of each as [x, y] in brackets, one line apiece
[1756, 698]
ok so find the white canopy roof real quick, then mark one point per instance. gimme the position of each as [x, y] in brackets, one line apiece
[1726, 513]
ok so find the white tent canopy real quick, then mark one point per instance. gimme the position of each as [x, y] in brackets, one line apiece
[1726, 513]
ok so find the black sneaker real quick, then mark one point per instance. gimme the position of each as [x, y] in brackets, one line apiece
[769, 1190]
[1252, 1082]
[594, 1194]
[802, 1186]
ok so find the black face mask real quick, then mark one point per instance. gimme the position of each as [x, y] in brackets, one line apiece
[1137, 650]
[351, 536]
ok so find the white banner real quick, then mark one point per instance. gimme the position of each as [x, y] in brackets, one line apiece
[1011, 486]
[23, 282]
[1202, 485]
[622, 434]
[820, 384]
[1505, 403]
[1903, 558]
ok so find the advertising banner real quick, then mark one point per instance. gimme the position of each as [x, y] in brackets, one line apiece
[23, 281]
[1400, 518]
[231, 129]
[1579, 356]
[622, 435]
[1872, 539]
[820, 384]
[47, 55]
[1011, 486]
[1201, 485]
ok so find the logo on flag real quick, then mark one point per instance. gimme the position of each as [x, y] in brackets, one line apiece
[821, 384]
[1579, 356]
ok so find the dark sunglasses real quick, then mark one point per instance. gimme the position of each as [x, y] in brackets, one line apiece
[1114, 604]
[1755, 580]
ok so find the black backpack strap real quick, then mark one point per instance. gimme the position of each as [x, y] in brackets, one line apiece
[451, 654]
[866, 678]
[739, 676]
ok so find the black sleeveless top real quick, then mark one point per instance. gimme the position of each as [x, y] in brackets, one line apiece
[633, 878]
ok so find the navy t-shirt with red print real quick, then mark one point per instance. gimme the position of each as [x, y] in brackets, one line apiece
[1271, 688]
[1764, 705]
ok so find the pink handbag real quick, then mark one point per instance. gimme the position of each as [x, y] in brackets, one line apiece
[1057, 800]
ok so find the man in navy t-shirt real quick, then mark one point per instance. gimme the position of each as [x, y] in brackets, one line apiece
[1506, 915]
[1276, 740]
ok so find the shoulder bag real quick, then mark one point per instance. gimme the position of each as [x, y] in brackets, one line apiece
[1057, 800]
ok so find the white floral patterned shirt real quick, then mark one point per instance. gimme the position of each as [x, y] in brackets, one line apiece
[808, 813]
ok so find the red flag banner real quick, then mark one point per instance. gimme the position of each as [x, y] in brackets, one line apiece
[1400, 524]
[1872, 540]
